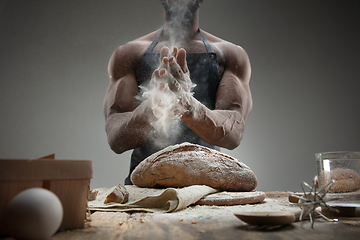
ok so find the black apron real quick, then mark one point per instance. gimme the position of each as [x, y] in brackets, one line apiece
[204, 72]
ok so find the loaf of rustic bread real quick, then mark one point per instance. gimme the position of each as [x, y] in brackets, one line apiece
[345, 180]
[189, 164]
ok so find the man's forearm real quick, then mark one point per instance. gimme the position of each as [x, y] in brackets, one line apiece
[129, 130]
[223, 128]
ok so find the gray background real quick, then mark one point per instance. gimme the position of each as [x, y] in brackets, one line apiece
[305, 74]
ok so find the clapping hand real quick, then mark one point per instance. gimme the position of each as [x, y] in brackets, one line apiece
[172, 80]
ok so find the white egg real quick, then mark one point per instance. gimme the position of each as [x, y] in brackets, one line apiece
[35, 213]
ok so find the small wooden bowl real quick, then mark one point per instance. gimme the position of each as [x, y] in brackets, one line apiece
[266, 218]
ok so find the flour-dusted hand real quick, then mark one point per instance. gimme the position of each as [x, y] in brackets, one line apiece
[162, 98]
[170, 86]
[172, 79]
[178, 69]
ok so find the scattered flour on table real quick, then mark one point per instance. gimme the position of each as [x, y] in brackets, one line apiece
[208, 212]
[273, 202]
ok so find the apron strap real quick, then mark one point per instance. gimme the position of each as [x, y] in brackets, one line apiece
[154, 42]
[208, 46]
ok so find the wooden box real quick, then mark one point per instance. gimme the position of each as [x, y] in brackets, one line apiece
[68, 179]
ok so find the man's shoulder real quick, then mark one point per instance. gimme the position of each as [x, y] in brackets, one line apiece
[140, 42]
[136, 46]
[227, 49]
[231, 55]
[220, 43]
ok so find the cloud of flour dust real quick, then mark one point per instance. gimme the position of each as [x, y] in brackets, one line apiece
[180, 19]
[168, 108]
[163, 101]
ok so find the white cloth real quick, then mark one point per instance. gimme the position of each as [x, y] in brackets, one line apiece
[166, 200]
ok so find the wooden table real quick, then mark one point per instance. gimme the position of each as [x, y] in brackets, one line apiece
[109, 225]
[204, 222]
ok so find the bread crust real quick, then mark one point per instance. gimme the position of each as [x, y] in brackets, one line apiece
[118, 195]
[189, 164]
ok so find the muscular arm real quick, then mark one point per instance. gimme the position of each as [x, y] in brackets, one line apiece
[225, 125]
[127, 124]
